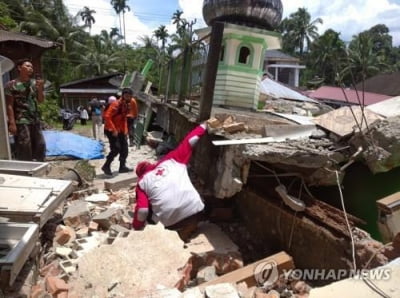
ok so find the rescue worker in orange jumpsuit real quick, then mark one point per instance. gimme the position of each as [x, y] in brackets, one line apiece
[116, 130]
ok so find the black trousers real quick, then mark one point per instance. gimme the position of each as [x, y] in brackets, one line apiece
[29, 142]
[118, 145]
[131, 129]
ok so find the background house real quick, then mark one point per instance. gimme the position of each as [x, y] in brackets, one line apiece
[385, 83]
[76, 93]
[282, 67]
[16, 46]
[337, 97]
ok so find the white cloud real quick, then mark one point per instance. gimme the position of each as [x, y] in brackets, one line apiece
[350, 17]
[347, 17]
[106, 18]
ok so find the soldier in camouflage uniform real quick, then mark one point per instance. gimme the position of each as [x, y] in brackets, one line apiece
[22, 97]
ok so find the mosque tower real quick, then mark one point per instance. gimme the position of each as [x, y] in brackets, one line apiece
[248, 33]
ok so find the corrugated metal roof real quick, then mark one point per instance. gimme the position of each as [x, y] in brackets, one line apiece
[90, 79]
[278, 55]
[353, 97]
[16, 36]
[277, 90]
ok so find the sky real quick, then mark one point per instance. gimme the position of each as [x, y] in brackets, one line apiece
[344, 16]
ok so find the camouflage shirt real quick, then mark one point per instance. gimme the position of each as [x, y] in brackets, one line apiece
[25, 104]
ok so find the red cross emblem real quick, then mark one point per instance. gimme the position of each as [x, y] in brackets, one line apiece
[160, 172]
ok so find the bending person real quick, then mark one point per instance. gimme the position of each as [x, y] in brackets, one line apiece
[165, 193]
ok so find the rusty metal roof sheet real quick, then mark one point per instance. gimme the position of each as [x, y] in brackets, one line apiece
[349, 95]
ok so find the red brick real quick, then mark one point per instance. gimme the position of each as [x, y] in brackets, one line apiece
[55, 285]
[64, 235]
[93, 226]
[36, 291]
[62, 294]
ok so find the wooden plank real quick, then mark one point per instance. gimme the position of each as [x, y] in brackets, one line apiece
[390, 203]
[248, 273]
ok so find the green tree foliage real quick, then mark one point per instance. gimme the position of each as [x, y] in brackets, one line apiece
[326, 57]
[5, 16]
[298, 31]
[120, 6]
[87, 16]
[363, 60]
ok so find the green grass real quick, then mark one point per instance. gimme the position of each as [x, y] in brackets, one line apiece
[85, 130]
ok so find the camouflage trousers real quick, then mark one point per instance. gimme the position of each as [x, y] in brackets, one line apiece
[29, 143]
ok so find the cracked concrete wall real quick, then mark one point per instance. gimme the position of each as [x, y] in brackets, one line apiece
[310, 245]
[381, 145]
[221, 171]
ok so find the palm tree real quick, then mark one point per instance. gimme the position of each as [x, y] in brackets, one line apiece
[161, 34]
[299, 31]
[121, 6]
[114, 34]
[326, 56]
[148, 41]
[362, 61]
[176, 18]
[87, 16]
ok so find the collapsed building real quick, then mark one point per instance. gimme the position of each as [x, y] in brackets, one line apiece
[316, 186]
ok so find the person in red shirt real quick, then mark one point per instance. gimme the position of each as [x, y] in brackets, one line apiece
[116, 130]
[165, 193]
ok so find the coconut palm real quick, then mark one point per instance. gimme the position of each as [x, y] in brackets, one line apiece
[326, 56]
[176, 18]
[87, 16]
[362, 61]
[161, 34]
[121, 6]
[299, 31]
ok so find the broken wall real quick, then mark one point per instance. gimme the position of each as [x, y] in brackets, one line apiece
[361, 190]
[310, 245]
[221, 171]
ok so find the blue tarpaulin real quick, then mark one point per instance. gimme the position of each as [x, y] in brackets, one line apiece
[61, 143]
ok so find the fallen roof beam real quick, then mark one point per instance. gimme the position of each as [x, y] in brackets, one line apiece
[243, 141]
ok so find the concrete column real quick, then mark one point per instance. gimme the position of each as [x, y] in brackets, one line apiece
[296, 77]
[276, 74]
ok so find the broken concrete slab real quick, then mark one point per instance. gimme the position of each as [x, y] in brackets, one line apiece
[120, 181]
[292, 132]
[347, 120]
[388, 108]
[97, 198]
[385, 278]
[17, 241]
[150, 257]
[108, 217]
[222, 290]
[41, 208]
[77, 214]
[312, 160]
[381, 145]
[24, 168]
